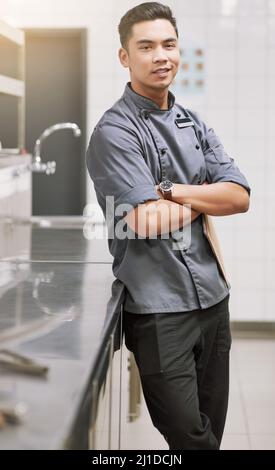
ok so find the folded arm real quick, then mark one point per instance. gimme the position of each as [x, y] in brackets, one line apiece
[224, 198]
[158, 217]
[163, 216]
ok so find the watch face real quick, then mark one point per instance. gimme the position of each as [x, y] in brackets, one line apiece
[166, 185]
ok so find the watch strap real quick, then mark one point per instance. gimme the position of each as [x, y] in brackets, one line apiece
[167, 194]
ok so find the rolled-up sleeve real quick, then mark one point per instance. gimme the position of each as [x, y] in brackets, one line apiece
[219, 165]
[117, 168]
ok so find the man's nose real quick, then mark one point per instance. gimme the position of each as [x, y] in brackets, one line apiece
[160, 55]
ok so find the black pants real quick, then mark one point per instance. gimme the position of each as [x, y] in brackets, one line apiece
[183, 361]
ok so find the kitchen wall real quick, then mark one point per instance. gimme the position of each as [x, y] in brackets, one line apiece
[237, 98]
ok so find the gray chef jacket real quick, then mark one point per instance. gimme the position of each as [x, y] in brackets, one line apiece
[133, 147]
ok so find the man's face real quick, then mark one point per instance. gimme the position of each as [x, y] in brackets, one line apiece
[153, 55]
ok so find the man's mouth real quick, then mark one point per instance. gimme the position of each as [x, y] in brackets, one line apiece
[162, 71]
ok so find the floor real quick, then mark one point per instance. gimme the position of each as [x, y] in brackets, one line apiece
[251, 414]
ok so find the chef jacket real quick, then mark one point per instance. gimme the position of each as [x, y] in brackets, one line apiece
[133, 147]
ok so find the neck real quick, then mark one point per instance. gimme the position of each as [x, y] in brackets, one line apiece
[160, 97]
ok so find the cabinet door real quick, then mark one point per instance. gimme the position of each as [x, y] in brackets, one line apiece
[107, 410]
[118, 381]
[101, 387]
[15, 203]
[22, 196]
[7, 191]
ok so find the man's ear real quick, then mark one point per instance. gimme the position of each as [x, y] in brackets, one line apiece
[123, 57]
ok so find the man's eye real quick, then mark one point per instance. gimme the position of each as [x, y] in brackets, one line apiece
[170, 46]
[145, 48]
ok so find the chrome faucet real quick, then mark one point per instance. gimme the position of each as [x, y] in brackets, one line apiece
[49, 167]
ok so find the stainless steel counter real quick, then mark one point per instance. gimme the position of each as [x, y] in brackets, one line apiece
[58, 307]
[52, 239]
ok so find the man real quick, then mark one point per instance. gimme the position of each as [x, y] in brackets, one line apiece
[153, 156]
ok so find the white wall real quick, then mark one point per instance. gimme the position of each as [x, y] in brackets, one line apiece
[239, 102]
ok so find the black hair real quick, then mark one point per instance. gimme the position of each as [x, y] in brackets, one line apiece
[147, 11]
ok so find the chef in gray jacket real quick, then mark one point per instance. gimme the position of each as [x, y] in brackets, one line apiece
[157, 168]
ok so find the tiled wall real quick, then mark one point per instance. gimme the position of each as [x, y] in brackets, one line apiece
[238, 37]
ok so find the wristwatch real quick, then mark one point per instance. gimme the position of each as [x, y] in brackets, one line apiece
[165, 188]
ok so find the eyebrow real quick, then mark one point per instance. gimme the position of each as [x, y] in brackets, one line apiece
[148, 41]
